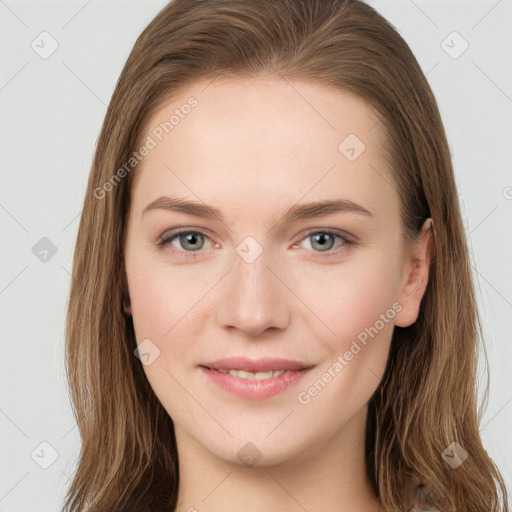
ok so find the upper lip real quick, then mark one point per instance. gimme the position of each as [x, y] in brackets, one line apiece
[256, 365]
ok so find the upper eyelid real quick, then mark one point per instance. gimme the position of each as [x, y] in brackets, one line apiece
[178, 231]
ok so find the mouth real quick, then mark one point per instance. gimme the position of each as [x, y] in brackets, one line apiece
[255, 379]
[262, 365]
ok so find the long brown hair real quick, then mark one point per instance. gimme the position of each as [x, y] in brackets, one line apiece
[427, 399]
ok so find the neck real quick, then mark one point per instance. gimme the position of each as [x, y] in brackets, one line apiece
[331, 475]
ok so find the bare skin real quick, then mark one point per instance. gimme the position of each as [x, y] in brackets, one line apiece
[252, 149]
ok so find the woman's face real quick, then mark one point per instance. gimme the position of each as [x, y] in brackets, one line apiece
[260, 273]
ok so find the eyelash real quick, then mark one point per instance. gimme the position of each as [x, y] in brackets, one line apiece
[330, 253]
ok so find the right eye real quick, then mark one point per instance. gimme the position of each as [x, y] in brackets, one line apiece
[185, 241]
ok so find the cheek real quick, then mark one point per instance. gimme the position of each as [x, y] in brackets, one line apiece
[151, 299]
[167, 307]
[163, 311]
[357, 303]
[359, 309]
[350, 298]
[157, 301]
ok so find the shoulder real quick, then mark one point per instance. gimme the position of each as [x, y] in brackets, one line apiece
[422, 501]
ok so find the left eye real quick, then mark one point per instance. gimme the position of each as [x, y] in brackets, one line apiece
[324, 240]
[191, 242]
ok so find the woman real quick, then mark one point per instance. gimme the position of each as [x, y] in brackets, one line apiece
[272, 305]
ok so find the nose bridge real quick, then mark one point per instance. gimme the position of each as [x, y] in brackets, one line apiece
[253, 299]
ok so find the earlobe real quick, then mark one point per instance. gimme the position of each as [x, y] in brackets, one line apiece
[416, 280]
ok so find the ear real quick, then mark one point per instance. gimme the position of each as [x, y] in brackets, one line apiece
[415, 276]
[127, 306]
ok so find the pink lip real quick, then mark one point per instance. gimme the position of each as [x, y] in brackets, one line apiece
[255, 389]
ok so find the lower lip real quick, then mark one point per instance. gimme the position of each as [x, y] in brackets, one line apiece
[254, 389]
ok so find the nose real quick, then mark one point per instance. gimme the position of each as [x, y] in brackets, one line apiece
[253, 299]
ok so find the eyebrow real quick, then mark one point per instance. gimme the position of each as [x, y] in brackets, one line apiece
[292, 214]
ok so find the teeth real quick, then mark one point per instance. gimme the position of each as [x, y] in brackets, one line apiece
[254, 376]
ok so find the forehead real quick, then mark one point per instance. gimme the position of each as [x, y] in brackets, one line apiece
[239, 142]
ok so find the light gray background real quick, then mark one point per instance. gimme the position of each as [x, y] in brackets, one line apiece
[51, 113]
